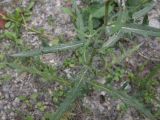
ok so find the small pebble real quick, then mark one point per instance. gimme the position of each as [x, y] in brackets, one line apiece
[12, 95]
[6, 88]
[6, 96]
[4, 117]
[12, 114]
[16, 102]
[35, 90]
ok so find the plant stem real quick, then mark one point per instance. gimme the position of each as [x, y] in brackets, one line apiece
[107, 2]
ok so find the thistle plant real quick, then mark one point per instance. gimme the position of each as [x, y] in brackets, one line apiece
[100, 26]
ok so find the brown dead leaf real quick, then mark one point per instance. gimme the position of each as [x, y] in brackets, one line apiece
[2, 21]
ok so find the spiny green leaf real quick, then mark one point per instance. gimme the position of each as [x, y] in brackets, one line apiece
[141, 30]
[128, 53]
[47, 74]
[133, 28]
[71, 97]
[80, 22]
[131, 101]
[144, 11]
[46, 50]
[112, 40]
[135, 3]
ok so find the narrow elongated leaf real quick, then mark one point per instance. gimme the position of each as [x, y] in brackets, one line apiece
[131, 101]
[112, 40]
[144, 11]
[31, 5]
[80, 22]
[137, 3]
[46, 50]
[133, 28]
[128, 28]
[71, 97]
[126, 54]
[141, 30]
[46, 74]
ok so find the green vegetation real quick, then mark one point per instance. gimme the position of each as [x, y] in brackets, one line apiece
[102, 29]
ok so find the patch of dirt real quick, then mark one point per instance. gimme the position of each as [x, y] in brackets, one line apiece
[16, 95]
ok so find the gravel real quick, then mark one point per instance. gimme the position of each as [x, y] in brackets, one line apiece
[16, 95]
